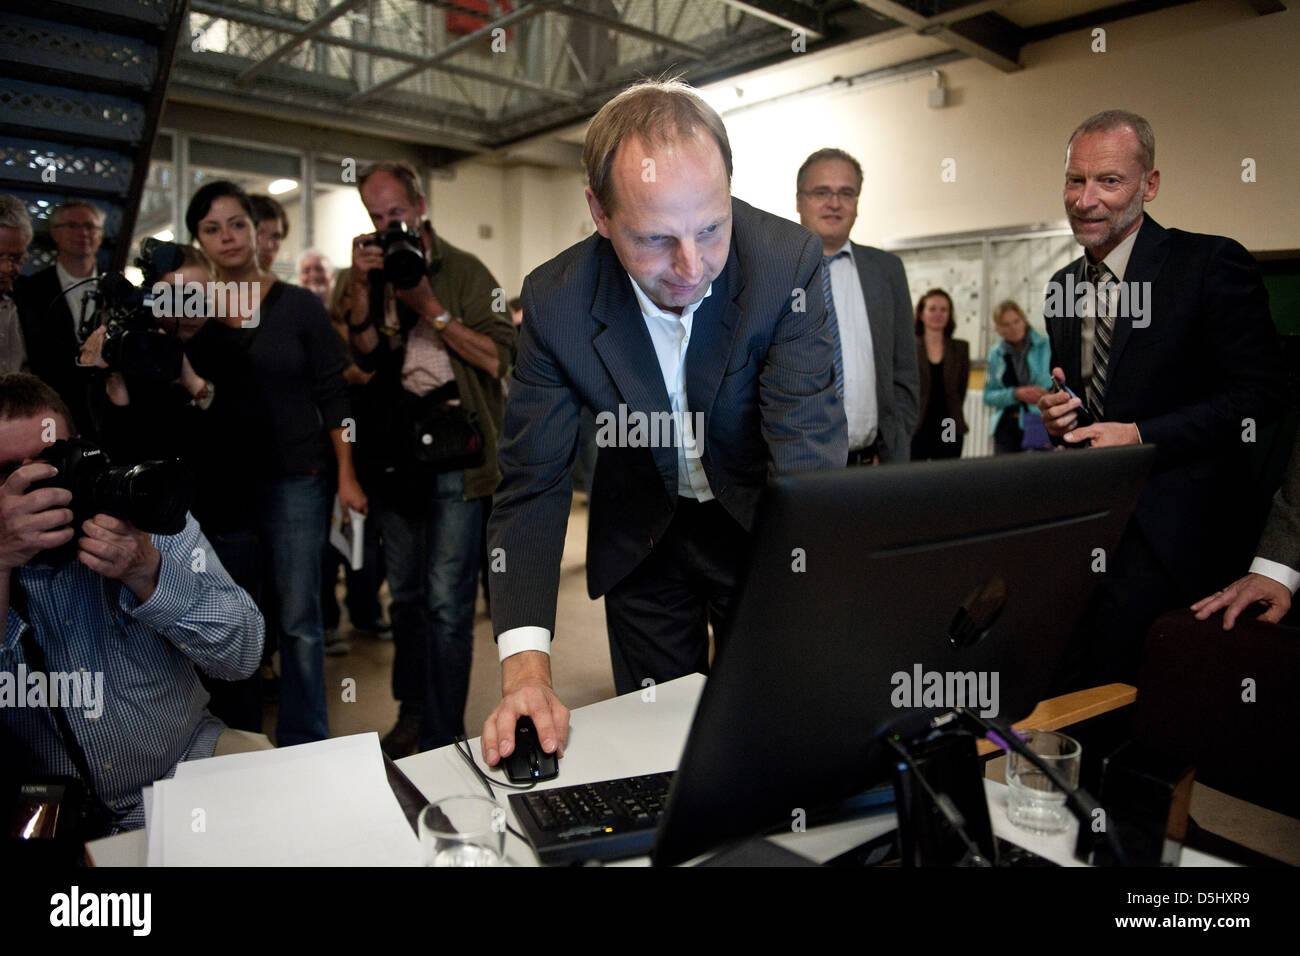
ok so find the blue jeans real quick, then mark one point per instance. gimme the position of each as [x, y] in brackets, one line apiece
[295, 523]
[433, 563]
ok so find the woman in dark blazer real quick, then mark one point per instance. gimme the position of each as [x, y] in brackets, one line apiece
[944, 366]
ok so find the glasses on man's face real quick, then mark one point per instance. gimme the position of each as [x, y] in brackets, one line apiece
[79, 226]
[824, 193]
[16, 261]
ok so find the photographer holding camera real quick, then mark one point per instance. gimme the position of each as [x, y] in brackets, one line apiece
[100, 605]
[423, 319]
[199, 416]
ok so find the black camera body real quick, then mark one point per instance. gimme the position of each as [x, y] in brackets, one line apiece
[153, 495]
[132, 344]
[404, 264]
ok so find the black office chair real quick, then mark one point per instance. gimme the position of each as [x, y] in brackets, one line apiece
[1223, 701]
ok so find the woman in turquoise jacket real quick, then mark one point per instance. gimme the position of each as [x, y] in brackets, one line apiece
[1019, 372]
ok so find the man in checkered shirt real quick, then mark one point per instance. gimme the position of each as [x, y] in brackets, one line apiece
[126, 621]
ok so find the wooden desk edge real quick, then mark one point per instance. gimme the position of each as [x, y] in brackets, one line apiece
[1057, 712]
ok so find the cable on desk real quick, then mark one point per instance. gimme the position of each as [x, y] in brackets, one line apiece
[467, 754]
[1082, 802]
[943, 803]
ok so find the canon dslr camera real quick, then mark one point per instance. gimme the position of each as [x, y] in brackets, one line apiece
[153, 495]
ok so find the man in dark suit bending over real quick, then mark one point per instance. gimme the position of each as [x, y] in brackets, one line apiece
[1184, 356]
[694, 326]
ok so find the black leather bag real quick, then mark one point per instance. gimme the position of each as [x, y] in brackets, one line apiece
[446, 438]
[441, 435]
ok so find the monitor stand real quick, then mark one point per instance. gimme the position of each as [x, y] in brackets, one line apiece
[943, 817]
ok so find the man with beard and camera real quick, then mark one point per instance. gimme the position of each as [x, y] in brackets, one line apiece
[423, 318]
[94, 604]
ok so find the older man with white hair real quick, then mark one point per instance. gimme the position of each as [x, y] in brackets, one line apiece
[15, 237]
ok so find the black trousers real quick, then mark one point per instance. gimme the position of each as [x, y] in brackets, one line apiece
[239, 702]
[658, 615]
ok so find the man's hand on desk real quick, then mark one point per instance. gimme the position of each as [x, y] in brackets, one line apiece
[525, 689]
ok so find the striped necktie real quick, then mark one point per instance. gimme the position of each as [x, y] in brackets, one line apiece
[833, 321]
[1101, 278]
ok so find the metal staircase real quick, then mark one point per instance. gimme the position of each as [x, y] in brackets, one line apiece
[81, 90]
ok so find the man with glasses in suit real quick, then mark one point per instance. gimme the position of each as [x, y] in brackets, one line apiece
[59, 307]
[871, 314]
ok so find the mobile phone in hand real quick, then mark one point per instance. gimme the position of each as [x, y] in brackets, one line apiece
[1084, 416]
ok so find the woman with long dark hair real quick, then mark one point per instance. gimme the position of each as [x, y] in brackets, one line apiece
[297, 363]
[944, 366]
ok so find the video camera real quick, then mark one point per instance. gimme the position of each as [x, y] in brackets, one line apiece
[132, 344]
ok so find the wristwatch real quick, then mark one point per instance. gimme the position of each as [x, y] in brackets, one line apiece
[442, 321]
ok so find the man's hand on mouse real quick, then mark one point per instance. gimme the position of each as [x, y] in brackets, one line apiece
[525, 689]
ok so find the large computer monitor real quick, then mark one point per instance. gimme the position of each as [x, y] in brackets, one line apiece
[864, 583]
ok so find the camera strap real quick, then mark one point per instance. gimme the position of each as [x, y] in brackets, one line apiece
[35, 655]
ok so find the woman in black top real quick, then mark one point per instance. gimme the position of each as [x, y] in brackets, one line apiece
[944, 366]
[200, 418]
[297, 364]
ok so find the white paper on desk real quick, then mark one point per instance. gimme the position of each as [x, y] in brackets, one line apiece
[321, 804]
[153, 842]
[350, 536]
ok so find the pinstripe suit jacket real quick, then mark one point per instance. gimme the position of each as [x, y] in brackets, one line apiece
[893, 346]
[758, 367]
[1280, 541]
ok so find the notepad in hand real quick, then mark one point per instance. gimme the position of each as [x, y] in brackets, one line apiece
[348, 536]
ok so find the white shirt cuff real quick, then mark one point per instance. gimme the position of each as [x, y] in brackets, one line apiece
[1289, 578]
[519, 639]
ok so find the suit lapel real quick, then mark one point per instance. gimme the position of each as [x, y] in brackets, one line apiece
[875, 294]
[58, 330]
[1144, 264]
[711, 333]
[628, 354]
[1071, 325]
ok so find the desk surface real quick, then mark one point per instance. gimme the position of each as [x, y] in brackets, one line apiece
[639, 733]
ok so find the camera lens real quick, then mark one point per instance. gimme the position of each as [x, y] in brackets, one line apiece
[153, 495]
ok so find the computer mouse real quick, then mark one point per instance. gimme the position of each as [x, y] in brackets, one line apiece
[528, 761]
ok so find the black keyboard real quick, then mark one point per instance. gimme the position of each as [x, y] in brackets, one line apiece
[608, 820]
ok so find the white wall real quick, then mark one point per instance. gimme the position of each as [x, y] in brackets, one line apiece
[1217, 83]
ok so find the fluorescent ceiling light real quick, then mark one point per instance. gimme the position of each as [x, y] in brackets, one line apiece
[279, 186]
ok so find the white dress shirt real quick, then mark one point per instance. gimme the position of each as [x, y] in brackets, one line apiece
[860, 406]
[1289, 578]
[76, 298]
[671, 335]
[1117, 263]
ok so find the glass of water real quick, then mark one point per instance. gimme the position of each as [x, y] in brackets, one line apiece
[465, 830]
[1033, 802]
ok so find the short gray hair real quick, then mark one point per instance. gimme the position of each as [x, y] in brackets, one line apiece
[56, 214]
[1109, 120]
[830, 152]
[657, 112]
[13, 213]
[324, 259]
[400, 170]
